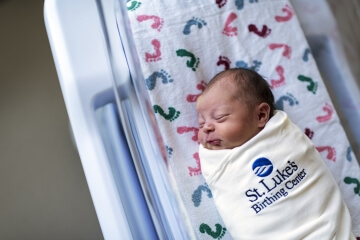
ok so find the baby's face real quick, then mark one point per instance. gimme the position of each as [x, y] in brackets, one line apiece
[224, 123]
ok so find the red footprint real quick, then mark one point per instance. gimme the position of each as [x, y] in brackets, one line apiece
[221, 3]
[153, 57]
[331, 152]
[309, 133]
[288, 14]
[265, 31]
[197, 170]
[279, 82]
[229, 30]
[287, 49]
[184, 129]
[329, 112]
[194, 97]
[158, 22]
[224, 61]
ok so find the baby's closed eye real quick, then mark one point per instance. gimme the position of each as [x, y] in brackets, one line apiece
[221, 117]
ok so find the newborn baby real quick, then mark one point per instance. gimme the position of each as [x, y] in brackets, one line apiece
[267, 179]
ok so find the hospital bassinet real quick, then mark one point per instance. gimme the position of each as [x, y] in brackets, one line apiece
[130, 75]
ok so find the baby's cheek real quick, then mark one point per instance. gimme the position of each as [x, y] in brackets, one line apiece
[200, 137]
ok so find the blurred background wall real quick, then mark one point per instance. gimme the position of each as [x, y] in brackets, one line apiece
[43, 191]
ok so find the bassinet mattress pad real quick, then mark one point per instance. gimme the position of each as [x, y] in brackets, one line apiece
[182, 44]
[276, 186]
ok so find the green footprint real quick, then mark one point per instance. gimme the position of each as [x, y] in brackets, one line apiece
[193, 62]
[349, 180]
[171, 116]
[312, 87]
[133, 5]
[220, 231]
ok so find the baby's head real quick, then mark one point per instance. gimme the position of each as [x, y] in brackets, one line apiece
[234, 107]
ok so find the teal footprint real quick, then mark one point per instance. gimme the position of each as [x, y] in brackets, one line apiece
[312, 86]
[171, 116]
[349, 180]
[218, 234]
[193, 62]
[132, 5]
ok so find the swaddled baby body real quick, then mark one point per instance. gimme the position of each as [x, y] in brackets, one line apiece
[267, 179]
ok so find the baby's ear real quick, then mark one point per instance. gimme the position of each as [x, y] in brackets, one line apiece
[263, 114]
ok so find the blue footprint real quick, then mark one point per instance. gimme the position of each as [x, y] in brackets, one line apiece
[239, 4]
[255, 67]
[196, 197]
[306, 54]
[194, 21]
[348, 154]
[169, 151]
[286, 98]
[151, 80]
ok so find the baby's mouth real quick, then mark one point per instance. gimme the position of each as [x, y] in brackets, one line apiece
[215, 142]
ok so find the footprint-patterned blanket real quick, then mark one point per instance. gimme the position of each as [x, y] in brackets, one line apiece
[182, 44]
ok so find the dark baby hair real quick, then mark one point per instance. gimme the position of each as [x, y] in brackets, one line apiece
[251, 86]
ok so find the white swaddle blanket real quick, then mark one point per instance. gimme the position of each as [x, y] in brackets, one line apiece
[276, 186]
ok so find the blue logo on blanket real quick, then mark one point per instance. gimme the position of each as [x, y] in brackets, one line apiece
[262, 167]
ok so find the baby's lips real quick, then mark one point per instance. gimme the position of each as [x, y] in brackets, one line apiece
[215, 142]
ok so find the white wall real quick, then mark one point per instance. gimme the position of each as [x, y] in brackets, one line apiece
[43, 191]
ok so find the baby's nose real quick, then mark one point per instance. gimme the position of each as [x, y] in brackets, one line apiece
[208, 127]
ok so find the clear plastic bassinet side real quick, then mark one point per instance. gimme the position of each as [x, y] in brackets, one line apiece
[139, 126]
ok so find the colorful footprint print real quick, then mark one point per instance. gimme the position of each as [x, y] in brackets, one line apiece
[171, 116]
[157, 21]
[348, 153]
[195, 171]
[349, 180]
[329, 113]
[224, 61]
[151, 80]
[239, 4]
[193, 22]
[312, 85]
[132, 5]
[153, 57]
[255, 67]
[307, 52]
[289, 12]
[265, 31]
[230, 30]
[169, 151]
[197, 195]
[218, 234]
[221, 3]
[274, 83]
[193, 97]
[193, 62]
[331, 152]
[286, 49]
[309, 133]
[193, 130]
[289, 98]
